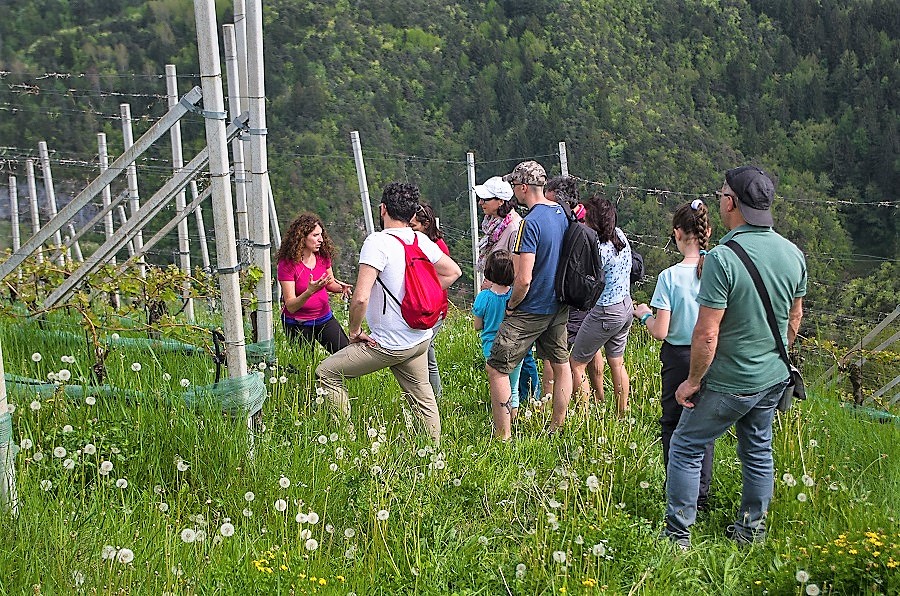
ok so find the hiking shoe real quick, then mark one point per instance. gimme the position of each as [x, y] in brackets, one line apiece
[681, 544]
[742, 540]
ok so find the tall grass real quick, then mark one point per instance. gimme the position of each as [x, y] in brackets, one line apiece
[578, 512]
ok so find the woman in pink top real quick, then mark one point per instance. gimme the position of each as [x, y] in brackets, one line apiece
[306, 278]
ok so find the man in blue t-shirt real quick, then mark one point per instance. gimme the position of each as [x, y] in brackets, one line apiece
[534, 315]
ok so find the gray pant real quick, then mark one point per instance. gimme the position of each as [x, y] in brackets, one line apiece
[410, 367]
[434, 375]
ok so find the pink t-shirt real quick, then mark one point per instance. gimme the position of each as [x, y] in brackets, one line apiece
[317, 306]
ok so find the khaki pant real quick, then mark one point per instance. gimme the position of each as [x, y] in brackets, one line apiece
[410, 367]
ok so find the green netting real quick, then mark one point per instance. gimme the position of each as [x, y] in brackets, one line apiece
[169, 345]
[877, 415]
[11, 448]
[243, 395]
[262, 351]
[23, 386]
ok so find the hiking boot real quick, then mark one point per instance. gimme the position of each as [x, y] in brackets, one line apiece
[741, 539]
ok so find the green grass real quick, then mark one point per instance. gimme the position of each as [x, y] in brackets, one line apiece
[461, 518]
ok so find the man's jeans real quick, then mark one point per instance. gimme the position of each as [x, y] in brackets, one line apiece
[712, 415]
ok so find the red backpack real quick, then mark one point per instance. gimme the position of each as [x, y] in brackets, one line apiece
[425, 301]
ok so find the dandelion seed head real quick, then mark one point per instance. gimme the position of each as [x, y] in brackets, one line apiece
[247, 512]
[121, 483]
[90, 449]
[64, 375]
[305, 533]
[38, 456]
[163, 507]
[801, 576]
[483, 540]
[280, 505]
[249, 496]
[559, 556]
[108, 552]
[598, 550]
[812, 590]
[35, 405]
[90, 400]
[282, 379]
[68, 464]
[46, 485]
[349, 533]
[807, 480]
[520, 570]
[185, 383]
[284, 482]
[227, 530]
[322, 439]
[136, 366]
[311, 544]
[106, 467]
[181, 465]
[36, 357]
[313, 518]
[801, 497]
[68, 429]
[188, 535]
[644, 484]
[59, 452]
[382, 515]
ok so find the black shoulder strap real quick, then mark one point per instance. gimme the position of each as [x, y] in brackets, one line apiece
[763, 295]
[378, 278]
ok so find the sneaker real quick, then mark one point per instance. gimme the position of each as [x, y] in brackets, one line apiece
[742, 540]
[681, 544]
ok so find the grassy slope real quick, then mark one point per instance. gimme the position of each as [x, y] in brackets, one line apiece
[460, 527]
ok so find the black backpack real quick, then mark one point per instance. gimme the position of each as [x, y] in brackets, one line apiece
[637, 266]
[579, 276]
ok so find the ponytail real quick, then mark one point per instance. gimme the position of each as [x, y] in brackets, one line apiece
[693, 219]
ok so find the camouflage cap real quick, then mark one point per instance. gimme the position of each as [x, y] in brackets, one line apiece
[527, 172]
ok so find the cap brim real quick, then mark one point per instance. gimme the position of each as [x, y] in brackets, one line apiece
[756, 217]
[484, 192]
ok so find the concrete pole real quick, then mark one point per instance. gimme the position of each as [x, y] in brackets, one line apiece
[44, 155]
[201, 229]
[276, 237]
[14, 213]
[123, 219]
[14, 218]
[76, 247]
[361, 179]
[184, 247]
[226, 250]
[235, 92]
[9, 499]
[134, 197]
[106, 194]
[477, 276]
[259, 195]
[240, 40]
[33, 201]
[563, 159]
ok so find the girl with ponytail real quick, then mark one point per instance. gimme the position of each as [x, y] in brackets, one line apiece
[675, 300]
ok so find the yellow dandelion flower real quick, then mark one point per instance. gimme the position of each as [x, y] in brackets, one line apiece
[323, 581]
[853, 551]
[876, 553]
[313, 578]
[340, 578]
[758, 582]
[562, 590]
[283, 567]
[892, 563]
[589, 582]
[302, 576]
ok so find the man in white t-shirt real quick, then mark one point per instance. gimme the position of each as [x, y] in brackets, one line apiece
[391, 342]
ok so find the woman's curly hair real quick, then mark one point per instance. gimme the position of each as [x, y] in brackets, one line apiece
[292, 242]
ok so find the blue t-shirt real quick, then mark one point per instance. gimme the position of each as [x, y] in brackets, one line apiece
[491, 307]
[676, 291]
[541, 233]
[616, 271]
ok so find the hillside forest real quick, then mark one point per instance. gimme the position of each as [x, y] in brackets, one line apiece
[654, 99]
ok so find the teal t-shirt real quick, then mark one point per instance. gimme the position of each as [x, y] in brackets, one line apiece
[676, 291]
[491, 307]
[747, 358]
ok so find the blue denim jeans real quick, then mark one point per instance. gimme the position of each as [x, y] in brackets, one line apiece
[712, 415]
[529, 379]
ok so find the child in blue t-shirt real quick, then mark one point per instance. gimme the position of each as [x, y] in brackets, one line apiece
[489, 308]
[675, 300]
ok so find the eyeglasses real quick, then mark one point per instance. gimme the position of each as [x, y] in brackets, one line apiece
[483, 200]
[720, 194]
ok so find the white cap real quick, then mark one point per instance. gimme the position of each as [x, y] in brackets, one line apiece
[494, 187]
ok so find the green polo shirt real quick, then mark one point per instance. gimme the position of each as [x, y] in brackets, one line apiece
[747, 358]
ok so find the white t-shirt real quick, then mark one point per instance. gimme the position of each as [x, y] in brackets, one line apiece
[386, 255]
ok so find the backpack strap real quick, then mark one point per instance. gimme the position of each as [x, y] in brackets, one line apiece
[387, 292]
[763, 296]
